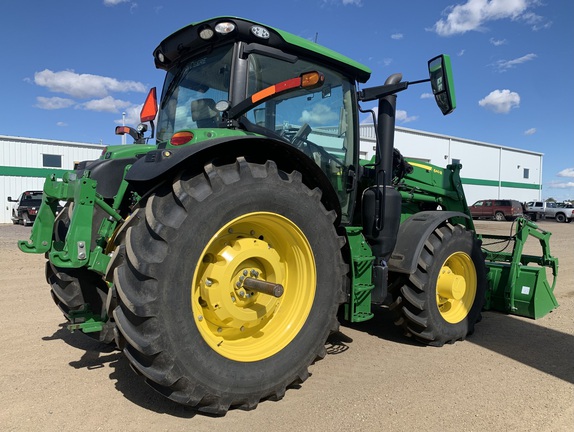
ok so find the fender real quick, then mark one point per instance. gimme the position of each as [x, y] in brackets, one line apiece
[412, 236]
[161, 164]
[108, 173]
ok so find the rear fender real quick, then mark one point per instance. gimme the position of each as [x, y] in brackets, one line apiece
[162, 164]
[412, 236]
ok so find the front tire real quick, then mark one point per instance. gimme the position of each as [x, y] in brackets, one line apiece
[441, 302]
[560, 217]
[186, 321]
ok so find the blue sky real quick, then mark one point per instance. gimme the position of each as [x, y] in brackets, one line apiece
[71, 67]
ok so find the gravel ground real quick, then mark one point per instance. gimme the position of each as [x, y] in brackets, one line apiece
[513, 374]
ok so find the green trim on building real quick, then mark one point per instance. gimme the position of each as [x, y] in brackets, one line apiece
[30, 172]
[496, 183]
[45, 172]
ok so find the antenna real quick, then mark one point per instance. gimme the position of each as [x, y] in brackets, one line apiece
[316, 37]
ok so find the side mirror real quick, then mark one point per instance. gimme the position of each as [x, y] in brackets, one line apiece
[440, 73]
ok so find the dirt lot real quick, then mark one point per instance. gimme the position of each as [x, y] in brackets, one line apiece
[513, 374]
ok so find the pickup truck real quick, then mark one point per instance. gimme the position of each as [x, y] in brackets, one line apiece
[558, 211]
[26, 207]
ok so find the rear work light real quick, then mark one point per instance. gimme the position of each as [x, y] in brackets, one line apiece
[206, 33]
[224, 27]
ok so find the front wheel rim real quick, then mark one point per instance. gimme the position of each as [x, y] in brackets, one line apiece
[244, 325]
[456, 287]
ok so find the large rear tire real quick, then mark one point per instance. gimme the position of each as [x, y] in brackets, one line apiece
[441, 302]
[186, 321]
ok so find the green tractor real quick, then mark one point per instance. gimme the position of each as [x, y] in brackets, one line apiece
[219, 259]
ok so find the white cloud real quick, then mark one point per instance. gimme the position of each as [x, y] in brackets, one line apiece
[61, 124]
[107, 104]
[530, 131]
[536, 22]
[386, 62]
[558, 185]
[84, 85]
[403, 117]
[114, 2]
[53, 103]
[397, 36]
[500, 101]
[344, 2]
[400, 116]
[427, 96]
[461, 53]
[132, 116]
[320, 114]
[568, 172]
[472, 15]
[497, 42]
[503, 65]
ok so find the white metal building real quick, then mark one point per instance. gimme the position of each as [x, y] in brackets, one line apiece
[26, 162]
[488, 170]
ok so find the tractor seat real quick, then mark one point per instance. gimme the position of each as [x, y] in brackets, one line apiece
[204, 114]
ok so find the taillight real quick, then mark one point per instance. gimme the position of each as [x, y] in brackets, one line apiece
[180, 138]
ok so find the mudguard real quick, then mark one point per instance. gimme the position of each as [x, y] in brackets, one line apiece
[160, 164]
[412, 236]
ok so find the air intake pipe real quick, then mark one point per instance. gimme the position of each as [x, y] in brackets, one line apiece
[381, 203]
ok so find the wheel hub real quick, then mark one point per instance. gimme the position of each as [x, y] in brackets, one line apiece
[229, 304]
[456, 287]
[254, 286]
[450, 285]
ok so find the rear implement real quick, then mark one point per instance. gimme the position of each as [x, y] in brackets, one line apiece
[516, 286]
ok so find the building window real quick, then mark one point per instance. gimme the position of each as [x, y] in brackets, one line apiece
[455, 161]
[53, 161]
[526, 173]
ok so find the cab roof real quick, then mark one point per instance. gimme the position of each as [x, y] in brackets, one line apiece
[186, 41]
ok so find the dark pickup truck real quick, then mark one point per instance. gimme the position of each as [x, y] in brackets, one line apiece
[26, 207]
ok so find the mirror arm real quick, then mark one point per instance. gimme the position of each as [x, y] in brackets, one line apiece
[379, 92]
[420, 81]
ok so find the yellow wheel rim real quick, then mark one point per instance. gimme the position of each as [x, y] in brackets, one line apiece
[245, 325]
[456, 287]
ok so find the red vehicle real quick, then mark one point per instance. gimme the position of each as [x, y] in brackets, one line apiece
[497, 209]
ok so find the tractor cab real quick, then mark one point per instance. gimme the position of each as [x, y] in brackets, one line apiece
[231, 77]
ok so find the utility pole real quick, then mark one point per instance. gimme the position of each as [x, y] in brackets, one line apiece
[123, 124]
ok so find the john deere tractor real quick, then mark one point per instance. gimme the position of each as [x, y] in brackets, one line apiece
[218, 258]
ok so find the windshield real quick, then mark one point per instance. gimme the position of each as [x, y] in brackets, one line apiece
[190, 93]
